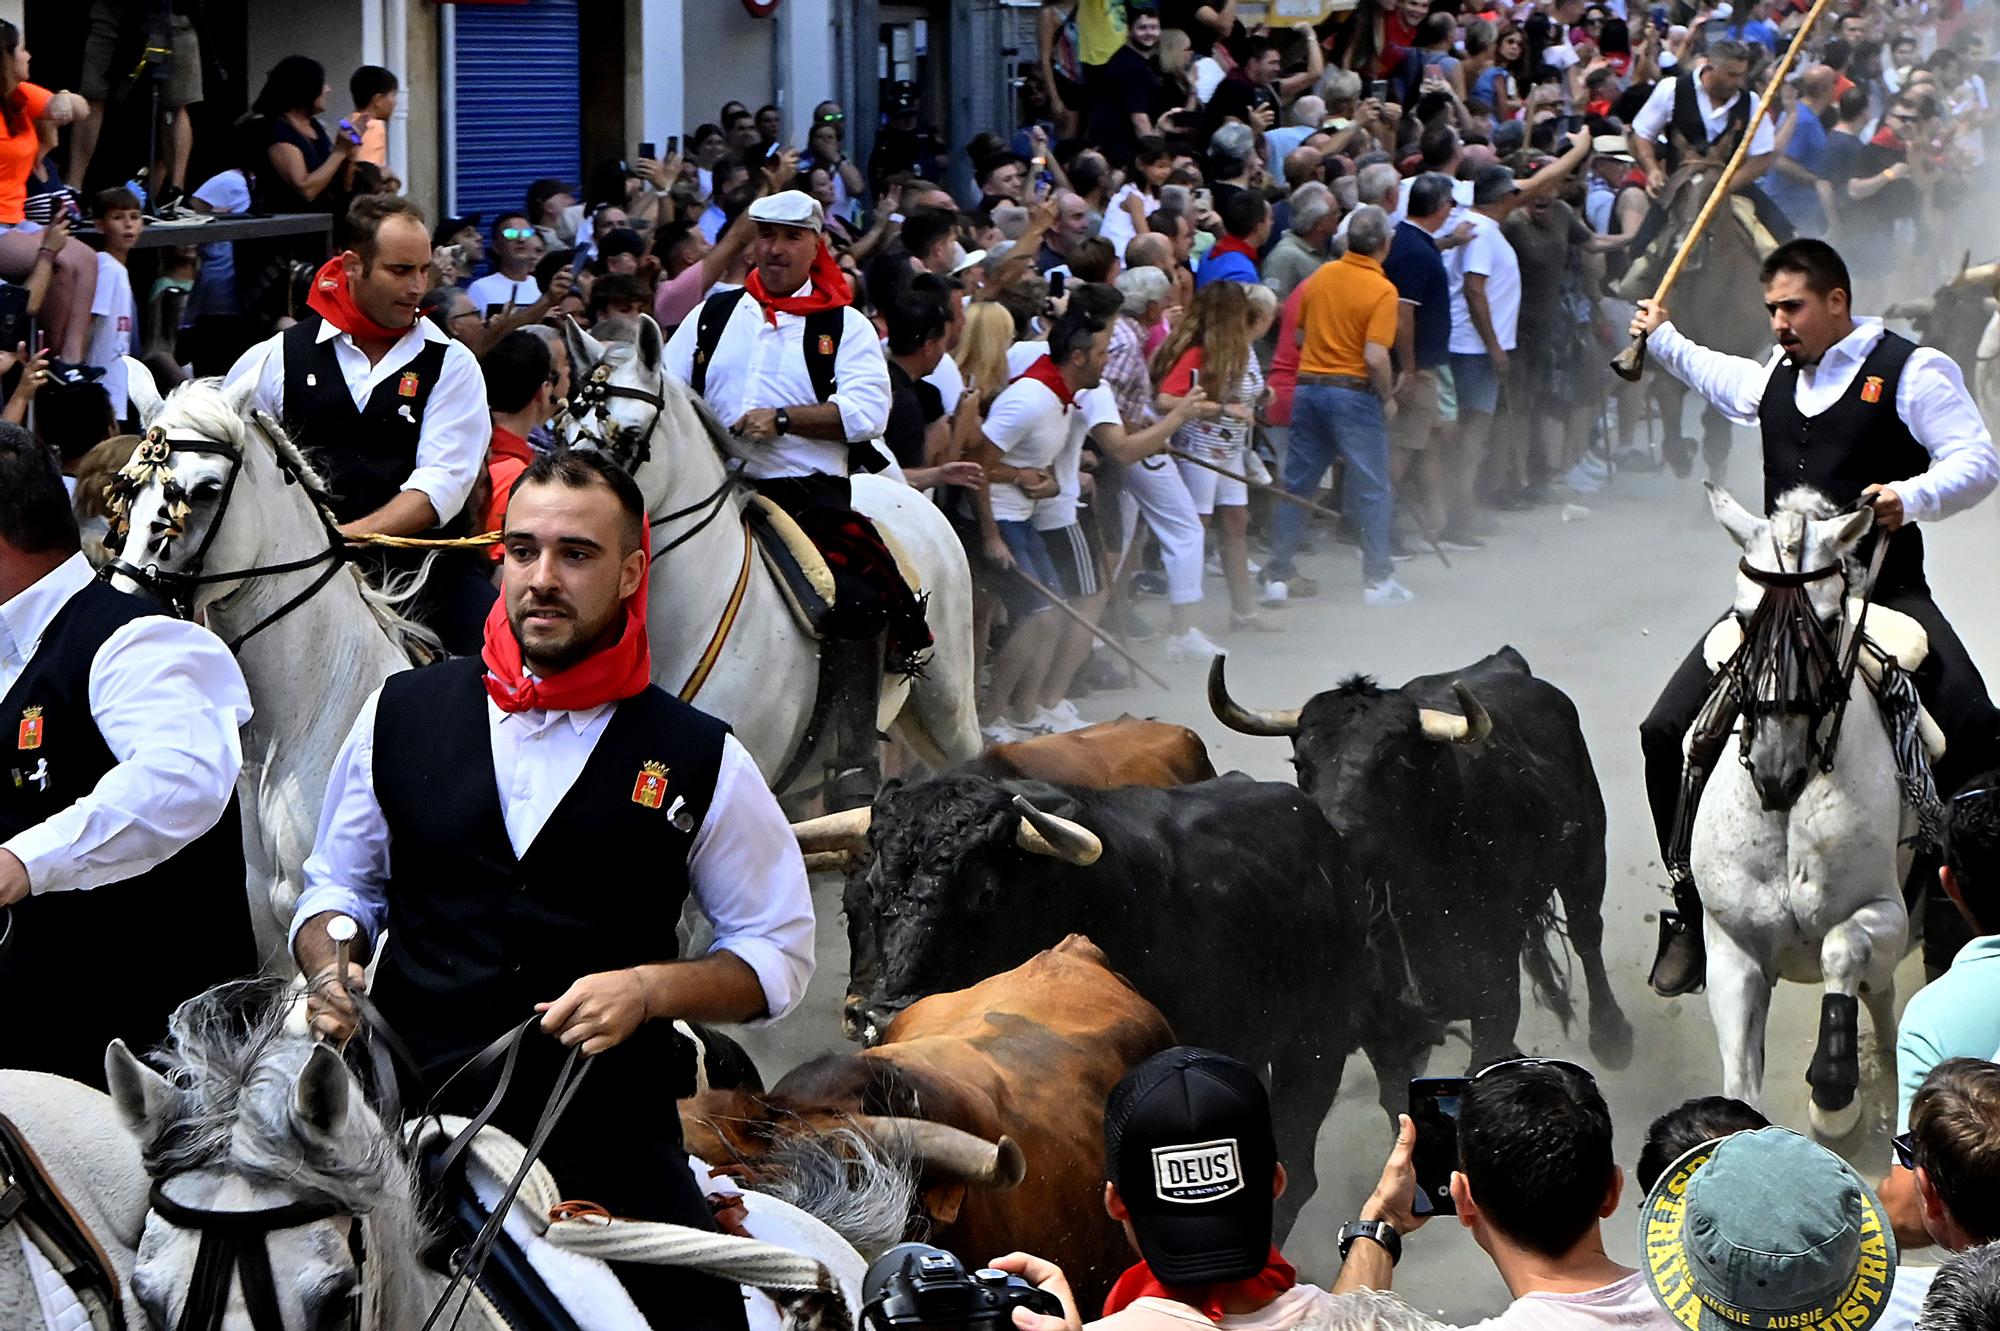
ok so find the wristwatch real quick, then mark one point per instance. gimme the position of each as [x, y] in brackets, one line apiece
[1378, 1230]
[783, 420]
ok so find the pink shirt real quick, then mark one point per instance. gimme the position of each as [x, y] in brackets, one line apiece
[677, 297]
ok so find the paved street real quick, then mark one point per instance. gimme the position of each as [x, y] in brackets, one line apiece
[1602, 606]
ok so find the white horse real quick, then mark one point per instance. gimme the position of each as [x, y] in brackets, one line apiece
[258, 1131]
[764, 676]
[228, 516]
[1800, 864]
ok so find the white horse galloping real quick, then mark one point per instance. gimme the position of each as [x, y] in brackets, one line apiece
[722, 634]
[1797, 847]
[224, 516]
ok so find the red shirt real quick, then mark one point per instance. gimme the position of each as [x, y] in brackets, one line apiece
[506, 458]
[1284, 376]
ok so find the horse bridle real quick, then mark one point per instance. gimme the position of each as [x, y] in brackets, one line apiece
[177, 588]
[233, 1250]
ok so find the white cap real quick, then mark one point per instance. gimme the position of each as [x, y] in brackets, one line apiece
[789, 208]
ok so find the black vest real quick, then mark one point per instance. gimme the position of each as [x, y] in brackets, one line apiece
[1859, 441]
[85, 966]
[478, 936]
[1689, 130]
[366, 454]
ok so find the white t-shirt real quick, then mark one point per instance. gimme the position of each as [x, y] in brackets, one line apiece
[498, 289]
[215, 288]
[1094, 407]
[1658, 113]
[949, 381]
[1118, 227]
[1030, 426]
[1489, 255]
[1623, 1305]
[1906, 1298]
[114, 324]
[1461, 199]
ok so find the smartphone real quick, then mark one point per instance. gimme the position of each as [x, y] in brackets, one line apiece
[673, 144]
[1194, 377]
[1056, 285]
[496, 309]
[352, 134]
[648, 152]
[771, 153]
[1434, 1104]
[1379, 89]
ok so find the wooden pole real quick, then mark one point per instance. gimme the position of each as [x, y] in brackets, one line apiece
[1631, 362]
[1095, 631]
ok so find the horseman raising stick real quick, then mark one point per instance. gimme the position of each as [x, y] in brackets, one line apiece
[121, 862]
[1862, 415]
[392, 409]
[527, 825]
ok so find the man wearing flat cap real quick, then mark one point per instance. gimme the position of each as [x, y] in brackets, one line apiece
[798, 376]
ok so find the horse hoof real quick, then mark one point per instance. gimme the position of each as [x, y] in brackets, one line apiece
[1611, 1040]
[1833, 1125]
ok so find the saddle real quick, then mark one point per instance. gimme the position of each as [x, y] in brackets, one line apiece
[801, 570]
[30, 1199]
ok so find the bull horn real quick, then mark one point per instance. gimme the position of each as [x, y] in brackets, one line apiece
[1980, 275]
[1045, 834]
[948, 1152]
[847, 830]
[829, 861]
[1471, 726]
[1271, 725]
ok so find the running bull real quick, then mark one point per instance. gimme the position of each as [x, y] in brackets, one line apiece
[1467, 800]
[1230, 903]
[995, 1094]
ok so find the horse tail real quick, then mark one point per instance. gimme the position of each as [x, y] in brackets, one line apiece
[1543, 936]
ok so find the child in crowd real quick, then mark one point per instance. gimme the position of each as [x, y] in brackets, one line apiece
[375, 91]
[114, 316]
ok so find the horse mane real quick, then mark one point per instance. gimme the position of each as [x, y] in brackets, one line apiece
[1807, 503]
[206, 408]
[233, 1056]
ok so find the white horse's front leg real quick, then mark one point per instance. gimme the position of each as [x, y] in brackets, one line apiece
[1861, 949]
[1739, 1002]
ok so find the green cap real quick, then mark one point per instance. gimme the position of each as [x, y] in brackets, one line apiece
[1767, 1231]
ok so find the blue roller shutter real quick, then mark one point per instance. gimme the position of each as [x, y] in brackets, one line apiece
[515, 118]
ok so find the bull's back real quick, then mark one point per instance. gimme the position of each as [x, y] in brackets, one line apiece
[1130, 751]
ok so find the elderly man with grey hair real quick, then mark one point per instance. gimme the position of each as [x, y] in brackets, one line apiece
[1303, 248]
[1308, 115]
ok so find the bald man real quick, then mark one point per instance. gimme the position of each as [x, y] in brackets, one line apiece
[1797, 181]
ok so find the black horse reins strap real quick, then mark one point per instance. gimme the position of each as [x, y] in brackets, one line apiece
[232, 1246]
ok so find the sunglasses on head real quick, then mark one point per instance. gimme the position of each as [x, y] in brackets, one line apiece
[1906, 1149]
[516, 232]
[1528, 1062]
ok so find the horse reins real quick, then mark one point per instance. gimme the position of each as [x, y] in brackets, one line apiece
[233, 1250]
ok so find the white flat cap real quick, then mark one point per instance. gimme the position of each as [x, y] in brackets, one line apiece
[789, 208]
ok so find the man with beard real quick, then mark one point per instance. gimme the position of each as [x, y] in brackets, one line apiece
[530, 823]
[1127, 88]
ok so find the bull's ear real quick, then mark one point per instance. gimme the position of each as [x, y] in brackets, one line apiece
[1741, 524]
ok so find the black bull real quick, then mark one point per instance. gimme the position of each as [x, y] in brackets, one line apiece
[1466, 801]
[1229, 903]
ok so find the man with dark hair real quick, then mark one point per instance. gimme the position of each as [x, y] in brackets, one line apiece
[73, 418]
[1954, 1152]
[515, 250]
[1246, 225]
[918, 433]
[1253, 93]
[1840, 400]
[520, 392]
[1126, 94]
[1888, 189]
[929, 237]
[394, 410]
[1703, 110]
[597, 770]
[119, 842]
[1002, 178]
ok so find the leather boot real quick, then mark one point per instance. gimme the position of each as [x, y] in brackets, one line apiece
[1682, 964]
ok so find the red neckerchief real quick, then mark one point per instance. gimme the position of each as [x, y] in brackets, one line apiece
[1886, 138]
[1233, 245]
[829, 290]
[1139, 1282]
[507, 444]
[1045, 373]
[619, 671]
[1635, 179]
[332, 301]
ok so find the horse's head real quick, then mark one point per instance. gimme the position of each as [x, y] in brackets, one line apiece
[623, 403]
[198, 496]
[268, 1168]
[1791, 586]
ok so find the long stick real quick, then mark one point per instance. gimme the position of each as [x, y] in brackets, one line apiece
[1281, 492]
[1095, 631]
[1631, 362]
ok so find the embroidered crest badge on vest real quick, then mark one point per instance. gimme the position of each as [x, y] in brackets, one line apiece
[1871, 388]
[650, 789]
[30, 734]
[407, 385]
[826, 344]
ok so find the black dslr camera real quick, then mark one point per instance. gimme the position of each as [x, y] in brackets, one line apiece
[916, 1285]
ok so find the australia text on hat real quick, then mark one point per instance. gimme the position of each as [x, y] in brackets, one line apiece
[1201, 1172]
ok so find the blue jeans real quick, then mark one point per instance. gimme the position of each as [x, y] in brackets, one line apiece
[1329, 422]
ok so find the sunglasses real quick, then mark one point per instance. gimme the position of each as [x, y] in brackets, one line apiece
[832, 117]
[1906, 1149]
[516, 232]
[1563, 1063]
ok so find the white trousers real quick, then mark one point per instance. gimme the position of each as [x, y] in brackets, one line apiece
[1162, 496]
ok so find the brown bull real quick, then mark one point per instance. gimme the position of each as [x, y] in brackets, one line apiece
[1131, 751]
[995, 1094]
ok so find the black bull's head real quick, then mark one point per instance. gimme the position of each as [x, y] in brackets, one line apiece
[941, 852]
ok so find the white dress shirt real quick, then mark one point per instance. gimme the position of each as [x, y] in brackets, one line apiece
[1657, 115]
[169, 700]
[1931, 399]
[744, 868]
[758, 365]
[451, 444]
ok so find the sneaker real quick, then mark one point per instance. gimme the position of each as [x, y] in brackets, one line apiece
[1255, 469]
[1212, 566]
[1063, 716]
[1459, 541]
[1582, 481]
[1386, 592]
[1193, 645]
[1400, 552]
[1295, 585]
[1273, 595]
[1149, 582]
[1002, 732]
[1033, 726]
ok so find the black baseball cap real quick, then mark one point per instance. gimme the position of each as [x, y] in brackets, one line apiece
[451, 226]
[1188, 1141]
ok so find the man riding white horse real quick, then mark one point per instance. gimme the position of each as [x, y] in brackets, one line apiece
[1864, 416]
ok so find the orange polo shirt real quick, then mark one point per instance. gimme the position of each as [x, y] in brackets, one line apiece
[1342, 308]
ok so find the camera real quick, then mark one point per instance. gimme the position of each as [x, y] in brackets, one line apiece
[916, 1285]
